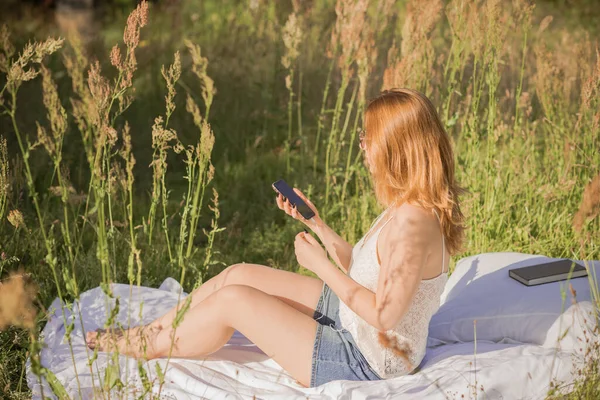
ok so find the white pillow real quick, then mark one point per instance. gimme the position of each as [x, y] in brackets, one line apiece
[480, 289]
[575, 329]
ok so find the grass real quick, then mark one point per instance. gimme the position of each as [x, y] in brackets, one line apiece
[160, 156]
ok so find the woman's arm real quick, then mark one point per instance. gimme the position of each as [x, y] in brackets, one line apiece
[362, 301]
[339, 250]
[403, 249]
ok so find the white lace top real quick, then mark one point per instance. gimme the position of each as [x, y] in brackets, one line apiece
[411, 332]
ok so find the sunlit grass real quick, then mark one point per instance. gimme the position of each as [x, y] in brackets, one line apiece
[110, 160]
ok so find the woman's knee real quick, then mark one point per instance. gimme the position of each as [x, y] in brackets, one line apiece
[235, 274]
[232, 295]
[230, 303]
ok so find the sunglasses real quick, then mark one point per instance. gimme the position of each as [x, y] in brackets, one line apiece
[361, 139]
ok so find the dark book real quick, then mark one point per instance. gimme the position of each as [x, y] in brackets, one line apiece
[548, 272]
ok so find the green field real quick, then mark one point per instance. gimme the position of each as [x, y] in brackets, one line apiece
[113, 169]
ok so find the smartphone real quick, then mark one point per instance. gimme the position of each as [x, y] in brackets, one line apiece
[287, 192]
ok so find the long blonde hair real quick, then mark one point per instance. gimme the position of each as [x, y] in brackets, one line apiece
[412, 159]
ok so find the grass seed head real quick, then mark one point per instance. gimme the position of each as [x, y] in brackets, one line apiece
[16, 302]
[6, 49]
[15, 217]
[115, 57]
[207, 140]
[56, 113]
[45, 140]
[347, 31]
[591, 86]
[412, 62]
[76, 63]
[545, 23]
[136, 20]
[46, 48]
[292, 36]
[365, 59]
[590, 204]
[6, 46]
[199, 68]
[171, 76]
[101, 92]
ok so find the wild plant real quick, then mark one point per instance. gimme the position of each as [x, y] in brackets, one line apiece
[161, 136]
[409, 65]
[517, 93]
[292, 35]
[345, 39]
[97, 104]
[4, 176]
[19, 70]
[199, 168]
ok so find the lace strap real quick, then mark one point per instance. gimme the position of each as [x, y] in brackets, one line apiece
[389, 219]
[377, 221]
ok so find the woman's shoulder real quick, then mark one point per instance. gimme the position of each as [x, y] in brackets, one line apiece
[410, 223]
[413, 212]
[407, 235]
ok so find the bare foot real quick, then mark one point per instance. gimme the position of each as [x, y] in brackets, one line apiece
[98, 338]
[137, 342]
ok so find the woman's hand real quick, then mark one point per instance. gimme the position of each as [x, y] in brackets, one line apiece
[309, 252]
[293, 212]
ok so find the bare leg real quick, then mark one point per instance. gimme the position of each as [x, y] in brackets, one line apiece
[299, 291]
[282, 332]
[136, 342]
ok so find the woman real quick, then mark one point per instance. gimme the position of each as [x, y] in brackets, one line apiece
[353, 322]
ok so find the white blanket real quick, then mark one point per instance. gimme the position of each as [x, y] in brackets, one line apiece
[507, 369]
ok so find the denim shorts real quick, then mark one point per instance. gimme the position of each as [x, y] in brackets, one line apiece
[335, 354]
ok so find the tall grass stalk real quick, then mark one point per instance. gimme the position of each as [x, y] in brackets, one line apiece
[4, 182]
[331, 140]
[292, 35]
[320, 120]
[32, 54]
[352, 166]
[525, 14]
[199, 156]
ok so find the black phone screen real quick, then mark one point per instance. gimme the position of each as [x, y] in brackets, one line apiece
[286, 191]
